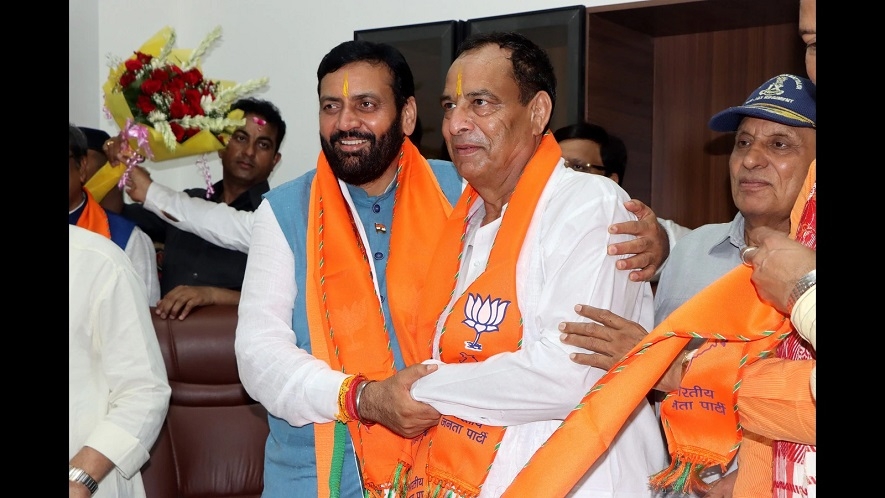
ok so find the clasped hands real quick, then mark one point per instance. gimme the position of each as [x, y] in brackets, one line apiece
[389, 402]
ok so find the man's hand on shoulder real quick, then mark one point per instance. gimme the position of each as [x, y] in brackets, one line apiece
[650, 248]
[609, 336]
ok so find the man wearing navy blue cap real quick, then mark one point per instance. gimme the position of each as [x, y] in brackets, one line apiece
[774, 144]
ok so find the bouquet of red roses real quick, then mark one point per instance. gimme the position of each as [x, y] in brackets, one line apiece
[160, 98]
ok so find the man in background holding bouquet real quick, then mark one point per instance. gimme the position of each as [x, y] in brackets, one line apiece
[197, 272]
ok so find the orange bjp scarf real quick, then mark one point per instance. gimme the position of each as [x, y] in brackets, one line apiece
[453, 458]
[94, 218]
[347, 327]
[700, 419]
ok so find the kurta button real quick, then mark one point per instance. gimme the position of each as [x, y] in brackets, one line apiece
[376, 208]
[379, 255]
[194, 275]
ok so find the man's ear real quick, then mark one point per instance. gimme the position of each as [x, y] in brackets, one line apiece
[81, 170]
[409, 116]
[276, 159]
[541, 108]
[616, 178]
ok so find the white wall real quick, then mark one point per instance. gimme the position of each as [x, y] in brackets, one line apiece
[281, 39]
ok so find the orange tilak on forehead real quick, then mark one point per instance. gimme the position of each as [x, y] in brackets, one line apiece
[344, 86]
[458, 85]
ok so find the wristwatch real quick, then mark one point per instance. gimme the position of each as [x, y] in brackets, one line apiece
[76, 474]
[806, 282]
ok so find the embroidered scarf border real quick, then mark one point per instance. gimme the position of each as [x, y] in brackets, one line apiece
[740, 333]
[453, 459]
[345, 317]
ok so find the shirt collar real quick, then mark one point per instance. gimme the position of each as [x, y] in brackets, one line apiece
[79, 206]
[361, 198]
[733, 240]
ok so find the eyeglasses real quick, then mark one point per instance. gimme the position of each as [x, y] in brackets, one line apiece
[584, 167]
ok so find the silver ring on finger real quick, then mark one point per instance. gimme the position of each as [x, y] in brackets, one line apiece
[745, 253]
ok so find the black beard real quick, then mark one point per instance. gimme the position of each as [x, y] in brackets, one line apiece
[366, 166]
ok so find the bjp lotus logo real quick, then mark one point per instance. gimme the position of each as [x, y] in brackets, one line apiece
[483, 315]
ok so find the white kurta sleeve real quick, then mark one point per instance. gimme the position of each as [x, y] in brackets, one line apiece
[141, 251]
[215, 222]
[804, 317]
[136, 377]
[119, 392]
[563, 262]
[675, 232]
[288, 381]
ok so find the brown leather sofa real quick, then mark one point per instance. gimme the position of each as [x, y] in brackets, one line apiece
[212, 442]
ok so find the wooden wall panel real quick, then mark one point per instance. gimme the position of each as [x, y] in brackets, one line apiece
[620, 93]
[658, 70]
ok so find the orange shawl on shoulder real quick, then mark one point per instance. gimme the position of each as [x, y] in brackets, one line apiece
[453, 458]
[94, 218]
[700, 419]
[347, 326]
